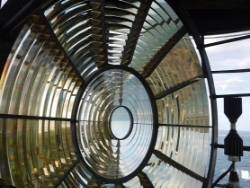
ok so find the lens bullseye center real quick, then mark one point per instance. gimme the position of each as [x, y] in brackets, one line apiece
[120, 123]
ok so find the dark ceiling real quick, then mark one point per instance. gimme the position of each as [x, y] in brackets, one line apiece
[209, 16]
[218, 21]
[216, 17]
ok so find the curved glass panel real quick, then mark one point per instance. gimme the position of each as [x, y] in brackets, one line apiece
[158, 28]
[38, 88]
[74, 65]
[107, 155]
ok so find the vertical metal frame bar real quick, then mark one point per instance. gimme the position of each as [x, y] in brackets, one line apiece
[214, 113]
[199, 40]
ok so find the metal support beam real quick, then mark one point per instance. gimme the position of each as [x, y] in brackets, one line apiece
[176, 88]
[226, 41]
[187, 126]
[67, 173]
[178, 166]
[135, 32]
[233, 95]
[158, 57]
[179, 8]
[119, 185]
[58, 45]
[155, 121]
[231, 71]
[99, 33]
[144, 180]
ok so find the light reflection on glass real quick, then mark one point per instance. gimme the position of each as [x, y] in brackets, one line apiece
[107, 155]
[39, 83]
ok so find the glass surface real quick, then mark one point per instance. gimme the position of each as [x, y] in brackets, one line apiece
[34, 150]
[34, 84]
[183, 146]
[72, 28]
[120, 123]
[49, 66]
[176, 142]
[179, 66]
[186, 106]
[162, 174]
[107, 155]
[158, 29]
[33, 81]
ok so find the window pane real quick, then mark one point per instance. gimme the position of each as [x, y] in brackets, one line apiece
[232, 83]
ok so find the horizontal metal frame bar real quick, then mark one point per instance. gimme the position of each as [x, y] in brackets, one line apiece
[245, 148]
[231, 71]
[188, 126]
[176, 88]
[178, 166]
[14, 116]
[232, 95]
[226, 41]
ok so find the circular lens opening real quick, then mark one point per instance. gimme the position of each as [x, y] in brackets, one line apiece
[121, 123]
[116, 128]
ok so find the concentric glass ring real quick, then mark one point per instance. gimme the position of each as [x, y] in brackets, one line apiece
[69, 70]
[106, 155]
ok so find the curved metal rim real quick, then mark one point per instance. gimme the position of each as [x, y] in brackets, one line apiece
[199, 41]
[155, 122]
